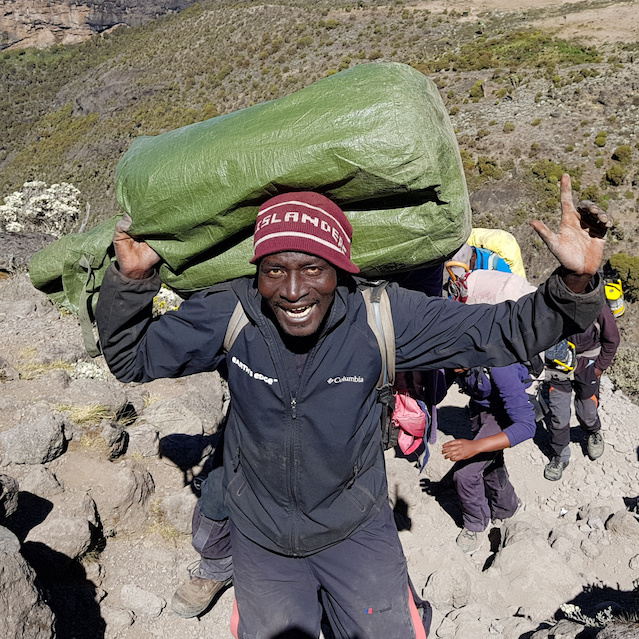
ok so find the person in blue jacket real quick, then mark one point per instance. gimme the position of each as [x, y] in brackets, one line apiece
[501, 416]
[305, 486]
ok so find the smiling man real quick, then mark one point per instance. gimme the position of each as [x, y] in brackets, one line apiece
[305, 482]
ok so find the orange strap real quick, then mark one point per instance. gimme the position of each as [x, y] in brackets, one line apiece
[420, 633]
[235, 619]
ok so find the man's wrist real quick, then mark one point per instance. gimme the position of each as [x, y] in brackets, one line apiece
[137, 274]
[576, 282]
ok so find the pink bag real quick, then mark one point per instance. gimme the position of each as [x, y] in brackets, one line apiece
[410, 419]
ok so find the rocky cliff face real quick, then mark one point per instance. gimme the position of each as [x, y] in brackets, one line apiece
[42, 23]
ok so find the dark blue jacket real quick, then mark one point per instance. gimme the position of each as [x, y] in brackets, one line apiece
[304, 466]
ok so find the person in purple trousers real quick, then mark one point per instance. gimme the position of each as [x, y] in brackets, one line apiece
[501, 416]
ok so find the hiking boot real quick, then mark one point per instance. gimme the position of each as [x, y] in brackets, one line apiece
[195, 596]
[595, 445]
[554, 469]
[520, 509]
[470, 541]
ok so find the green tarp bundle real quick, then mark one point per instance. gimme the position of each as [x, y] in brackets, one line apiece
[375, 138]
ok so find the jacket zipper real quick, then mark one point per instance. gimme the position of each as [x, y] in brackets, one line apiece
[292, 461]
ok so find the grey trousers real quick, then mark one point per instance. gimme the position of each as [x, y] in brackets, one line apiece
[212, 539]
[586, 387]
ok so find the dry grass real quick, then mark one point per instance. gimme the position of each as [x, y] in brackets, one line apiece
[94, 442]
[29, 369]
[86, 414]
[160, 526]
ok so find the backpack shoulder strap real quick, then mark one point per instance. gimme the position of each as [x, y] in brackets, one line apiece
[237, 322]
[380, 320]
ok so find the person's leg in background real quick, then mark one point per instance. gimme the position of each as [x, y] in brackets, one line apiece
[468, 478]
[503, 498]
[586, 406]
[211, 538]
[559, 400]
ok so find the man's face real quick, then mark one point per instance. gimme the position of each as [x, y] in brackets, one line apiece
[299, 289]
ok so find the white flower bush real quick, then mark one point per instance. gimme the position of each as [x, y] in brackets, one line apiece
[89, 370]
[38, 207]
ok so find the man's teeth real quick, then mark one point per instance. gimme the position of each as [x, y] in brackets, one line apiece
[299, 312]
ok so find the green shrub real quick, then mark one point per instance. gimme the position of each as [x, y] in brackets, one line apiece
[536, 122]
[330, 24]
[624, 372]
[477, 90]
[600, 140]
[599, 162]
[527, 49]
[591, 192]
[615, 175]
[509, 127]
[467, 160]
[626, 268]
[623, 154]
[488, 167]
[548, 170]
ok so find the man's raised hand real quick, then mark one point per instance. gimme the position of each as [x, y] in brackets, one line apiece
[579, 243]
[136, 258]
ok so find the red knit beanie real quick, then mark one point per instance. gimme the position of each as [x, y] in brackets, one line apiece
[307, 222]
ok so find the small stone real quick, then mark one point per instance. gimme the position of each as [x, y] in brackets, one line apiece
[141, 602]
[562, 545]
[590, 549]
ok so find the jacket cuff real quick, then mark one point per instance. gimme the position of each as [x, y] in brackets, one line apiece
[152, 283]
[582, 308]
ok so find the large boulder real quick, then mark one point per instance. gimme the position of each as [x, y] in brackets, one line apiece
[36, 442]
[525, 564]
[70, 536]
[624, 524]
[123, 497]
[23, 613]
[40, 481]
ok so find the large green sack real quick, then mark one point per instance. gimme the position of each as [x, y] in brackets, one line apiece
[375, 138]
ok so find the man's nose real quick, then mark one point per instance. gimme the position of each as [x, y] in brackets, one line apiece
[295, 287]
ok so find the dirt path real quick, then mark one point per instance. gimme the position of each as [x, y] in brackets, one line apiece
[592, 23]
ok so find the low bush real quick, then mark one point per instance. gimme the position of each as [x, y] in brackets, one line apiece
[626, 268]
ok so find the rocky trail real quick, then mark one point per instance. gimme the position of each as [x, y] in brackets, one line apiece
[96, 499]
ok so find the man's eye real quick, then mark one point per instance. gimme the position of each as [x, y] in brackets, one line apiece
[313, 270]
